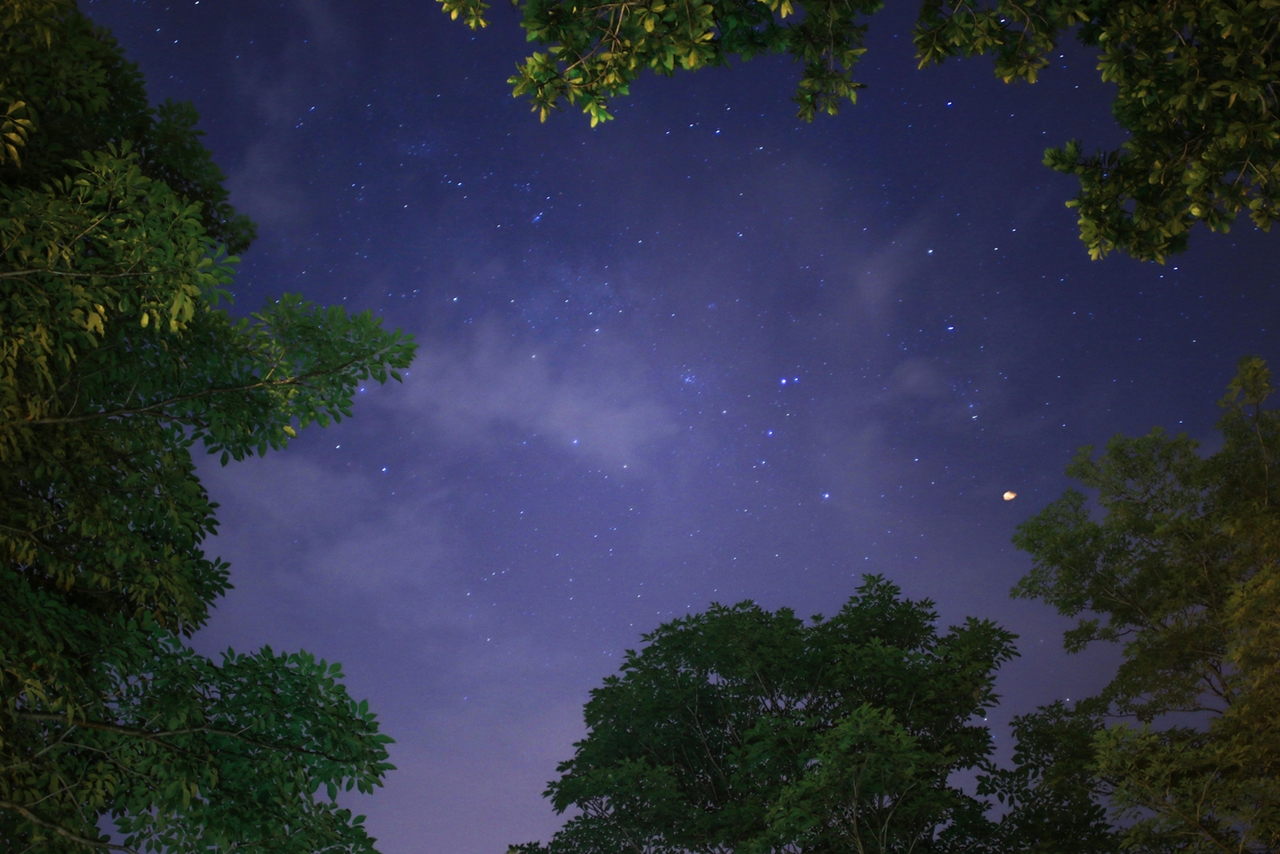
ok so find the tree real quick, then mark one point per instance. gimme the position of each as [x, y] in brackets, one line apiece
[1182, 568]
[1049, 796]
[1196, 84]
[85, 96]
[745, 730]
[117, 358]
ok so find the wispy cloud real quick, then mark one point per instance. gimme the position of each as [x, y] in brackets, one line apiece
[273, 90]
[492, 392]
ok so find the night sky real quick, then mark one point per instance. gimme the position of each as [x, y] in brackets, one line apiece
[705, 352]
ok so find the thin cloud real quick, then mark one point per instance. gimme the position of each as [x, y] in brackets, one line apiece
[492, 393]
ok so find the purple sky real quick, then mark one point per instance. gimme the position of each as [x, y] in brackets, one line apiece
[702, 353]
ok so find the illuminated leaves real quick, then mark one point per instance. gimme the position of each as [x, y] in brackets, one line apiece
[471, 12]
[117, 358]
[1180, 566]
[14, 127]
[1196, 85]
[596, 49]
[1195, 91]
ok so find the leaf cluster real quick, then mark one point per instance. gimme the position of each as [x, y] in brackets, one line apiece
[1051, 795]
[596, 48]
[186, 755]
[66, 83]
[1195, 90]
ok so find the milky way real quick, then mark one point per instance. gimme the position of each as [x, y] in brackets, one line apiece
[704, 352]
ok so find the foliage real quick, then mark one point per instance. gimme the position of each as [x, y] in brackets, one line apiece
[1182, 569]
[741, 729]
[1195, 84]
[68, 83]
[597, 47]
[1195, 92]
[117, 357]
[1049, 795]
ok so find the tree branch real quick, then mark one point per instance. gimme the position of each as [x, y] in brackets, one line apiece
[62, 831]
[18, 274]
[158, 737]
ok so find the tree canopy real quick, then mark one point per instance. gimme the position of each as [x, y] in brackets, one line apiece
[118, 358]
[740, 729]
[1195, 84]
[1178, 561]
